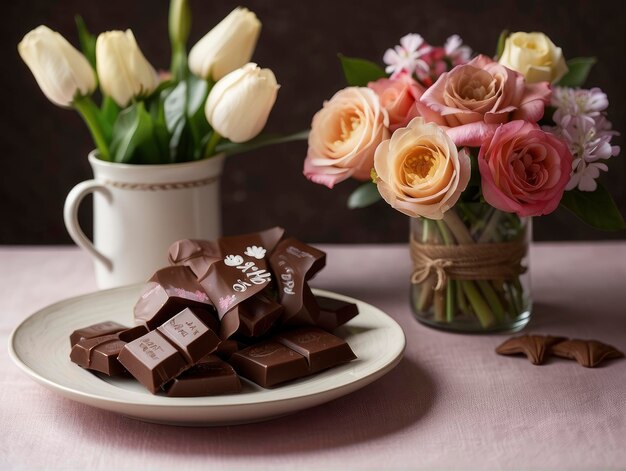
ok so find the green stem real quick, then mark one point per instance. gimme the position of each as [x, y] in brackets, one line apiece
[492, 299]
[481, 308]
[450, 300]
[488, 234]
[178, 66]
[88, 110]
[209, 150]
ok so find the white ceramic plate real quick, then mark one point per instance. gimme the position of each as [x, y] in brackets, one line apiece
[40, 347]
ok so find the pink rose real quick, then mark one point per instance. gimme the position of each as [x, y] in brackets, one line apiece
[524, 170]
[473, 99]
[344, 136]
[398, 96]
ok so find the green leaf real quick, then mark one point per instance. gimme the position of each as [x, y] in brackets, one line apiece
[579, 69]
[365, 195]
[87, 40]
[134, 138]
[359, 72]
[595, 208]
[501, 42]
[262, 140]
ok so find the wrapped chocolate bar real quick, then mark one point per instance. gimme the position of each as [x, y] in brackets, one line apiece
[293, 263]
[254, 317]
[198, 255]
[169, 291]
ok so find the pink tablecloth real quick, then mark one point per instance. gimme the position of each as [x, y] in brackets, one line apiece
[452, 403]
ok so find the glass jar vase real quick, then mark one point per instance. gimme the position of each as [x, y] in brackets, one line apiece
[471, 270]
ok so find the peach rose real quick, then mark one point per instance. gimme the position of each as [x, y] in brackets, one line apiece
[419, 170]
[344, 136]
[523, 169]
[398, 97]
[475, 98]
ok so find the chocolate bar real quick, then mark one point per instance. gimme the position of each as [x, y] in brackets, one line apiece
[169, 291]
[226, 348]
[254, 317]
[96, 330]
[192, 337]
[211, 376]
[172, 348]
[321, 349]
[334, 312]
[269, 363]
[293, 263]
[100, 353]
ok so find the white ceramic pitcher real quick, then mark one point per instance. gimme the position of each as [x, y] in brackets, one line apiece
[139, 210]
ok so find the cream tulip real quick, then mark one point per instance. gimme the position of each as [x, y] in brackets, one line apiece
[123, 70]
[60, 70]
[239, 104]
[534, 56]
[228, 46]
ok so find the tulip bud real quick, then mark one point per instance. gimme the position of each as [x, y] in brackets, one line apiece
[61, 71]
[179, 21]
[123, 70]
[239, 104]
[226, 47]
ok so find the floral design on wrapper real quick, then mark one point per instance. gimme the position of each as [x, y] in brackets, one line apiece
[226, 301]
[233, 260]
[256, 252]
[580, 119]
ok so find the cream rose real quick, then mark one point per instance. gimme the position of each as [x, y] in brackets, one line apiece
[419, 170]
[344, 136]
[535, 56]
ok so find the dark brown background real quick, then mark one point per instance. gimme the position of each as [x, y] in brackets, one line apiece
[45, 148]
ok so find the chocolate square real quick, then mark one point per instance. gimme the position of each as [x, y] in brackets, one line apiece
[95, 330]
[210, 377]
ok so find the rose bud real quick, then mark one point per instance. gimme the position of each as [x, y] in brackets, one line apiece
[228, 46]
[123, 70]
[534, 56]
[239, 104]
[420, 172]
[61, 71]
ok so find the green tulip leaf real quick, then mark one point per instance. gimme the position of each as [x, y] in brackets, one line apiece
[87, 40]
[359, 72]
[262, 140]
[365, 195]
[595, 208]
[134, 139]
[501, 42]
[579, 69]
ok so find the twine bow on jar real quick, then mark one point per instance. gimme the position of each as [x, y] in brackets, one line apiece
[467, 261]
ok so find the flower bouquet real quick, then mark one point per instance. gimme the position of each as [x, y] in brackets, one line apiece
[211, 101]
[470, 148]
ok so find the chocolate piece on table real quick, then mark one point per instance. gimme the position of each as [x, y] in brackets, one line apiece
[293, 263]
[95, 330]
[152, 360]
[269, 363]
[588, 353]
[190, 335]
[210, 377]
[198, 255]
[535, 347]
[169, 291]
[334, 312]
[321, 349]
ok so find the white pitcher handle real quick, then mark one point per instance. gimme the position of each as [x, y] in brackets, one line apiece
[70, 216]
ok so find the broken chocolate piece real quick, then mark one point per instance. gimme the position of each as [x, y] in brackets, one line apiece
[321, 349]
[269, 363]
[152, 360]
[169, 291]
[588, 353]
[334, 312]
[254, 317]
[210, 377]
[535, 347]
[190, 335]
[96, 330]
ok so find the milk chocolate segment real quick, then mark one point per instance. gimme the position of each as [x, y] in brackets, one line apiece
[95, 330]
[321, 349]
[169, 291]
[192, 337]
[100, 353]
[269, 363]
[210, 377]
[152, 360]
[334, 312]
[253, 317]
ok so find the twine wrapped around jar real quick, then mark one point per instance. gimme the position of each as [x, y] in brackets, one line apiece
[492, 261]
